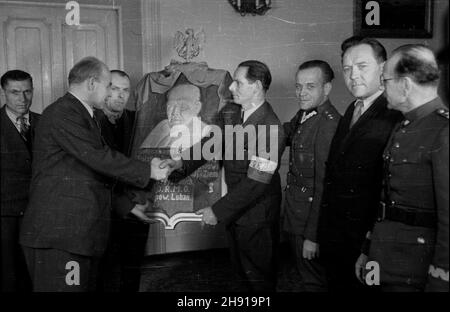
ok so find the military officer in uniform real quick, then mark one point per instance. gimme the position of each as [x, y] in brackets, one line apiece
[309, 136]
[410, 240]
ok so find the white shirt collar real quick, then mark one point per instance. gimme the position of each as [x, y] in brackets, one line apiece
[13, 117]
[250, 111]
[367, 102]
[89, 109]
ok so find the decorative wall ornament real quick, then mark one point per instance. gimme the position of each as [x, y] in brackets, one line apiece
[253, 7]
[188, 45]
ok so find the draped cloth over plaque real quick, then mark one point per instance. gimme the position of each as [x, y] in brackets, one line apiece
[174, 204]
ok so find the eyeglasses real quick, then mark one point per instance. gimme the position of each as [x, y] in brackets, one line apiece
[383, 80]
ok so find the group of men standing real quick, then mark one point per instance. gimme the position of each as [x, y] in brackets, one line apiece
[371, 185]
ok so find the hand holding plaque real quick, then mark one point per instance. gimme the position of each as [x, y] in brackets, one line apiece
[208, 216]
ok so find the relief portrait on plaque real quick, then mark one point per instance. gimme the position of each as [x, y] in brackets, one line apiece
[183, 99]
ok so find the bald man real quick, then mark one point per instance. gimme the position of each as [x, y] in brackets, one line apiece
[410, 240]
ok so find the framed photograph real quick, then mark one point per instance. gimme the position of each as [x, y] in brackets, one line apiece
[394, 18]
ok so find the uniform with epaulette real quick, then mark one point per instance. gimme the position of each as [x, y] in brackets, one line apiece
[410, 240]
[251, 207]
[309, 136]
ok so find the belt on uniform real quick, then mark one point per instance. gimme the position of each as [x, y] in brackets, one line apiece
[394, 212]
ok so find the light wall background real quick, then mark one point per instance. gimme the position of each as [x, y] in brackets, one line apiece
[292, 32]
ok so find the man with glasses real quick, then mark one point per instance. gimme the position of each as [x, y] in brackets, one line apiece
[17, 132]
[353, 175]
[410, 240]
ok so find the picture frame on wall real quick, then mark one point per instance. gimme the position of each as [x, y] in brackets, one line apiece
[394, 18]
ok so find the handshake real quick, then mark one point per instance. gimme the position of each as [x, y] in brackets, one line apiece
[161, 169]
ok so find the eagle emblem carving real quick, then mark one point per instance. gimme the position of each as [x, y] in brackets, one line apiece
[188, 45]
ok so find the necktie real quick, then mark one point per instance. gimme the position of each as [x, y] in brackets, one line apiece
[24, 128]
[357, 112]
[96, 122]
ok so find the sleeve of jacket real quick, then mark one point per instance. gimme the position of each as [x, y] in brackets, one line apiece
[72, 135]
[322, 149]
[122, 203]
[438, 274]
[252, 186]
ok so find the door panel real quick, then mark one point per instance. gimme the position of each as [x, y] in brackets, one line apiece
[35, 38]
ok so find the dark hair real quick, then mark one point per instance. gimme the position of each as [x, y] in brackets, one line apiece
[119, 72]
[378, 49]
[15, 75]
[325, 68]
[417, 62]
[86, 68]
[258, 71]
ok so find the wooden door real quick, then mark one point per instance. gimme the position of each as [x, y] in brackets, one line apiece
[34, 37]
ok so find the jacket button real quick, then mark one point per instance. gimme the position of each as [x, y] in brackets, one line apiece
[397, 145]
[310, 199]
[21, 213]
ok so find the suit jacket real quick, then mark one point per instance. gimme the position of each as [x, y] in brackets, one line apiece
[70, 194]
[253, 196]
[15, 165]
[119, 137]
[310, 144]
[354, 174]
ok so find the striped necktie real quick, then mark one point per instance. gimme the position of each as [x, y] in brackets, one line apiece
[357, 112]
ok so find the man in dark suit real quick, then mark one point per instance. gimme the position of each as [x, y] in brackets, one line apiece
[251, 207]
[309, 136]
[354, 167]
[66, 225]
[17, 132]
[128, 228]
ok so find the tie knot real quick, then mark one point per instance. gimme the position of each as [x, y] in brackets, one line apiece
[359, 104]
[22, 120]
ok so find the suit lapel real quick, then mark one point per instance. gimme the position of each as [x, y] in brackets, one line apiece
[85, 114]
[11, 133]
[359, 128]
[256, 116]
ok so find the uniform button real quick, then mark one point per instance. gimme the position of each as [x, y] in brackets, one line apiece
[390, 175]
[287, 186]
[421, 240]
[290, 164]
[403, 131]
[21, 213]
[404, 160]
[310, 199]
[392, 160]
[397, 145]
[392, 202]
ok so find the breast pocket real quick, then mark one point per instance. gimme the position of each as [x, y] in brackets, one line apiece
[412, 163]
[304, 162]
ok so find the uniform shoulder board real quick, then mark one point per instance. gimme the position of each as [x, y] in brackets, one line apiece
[443, 112]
